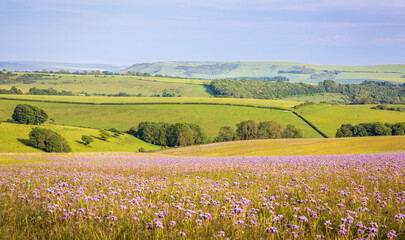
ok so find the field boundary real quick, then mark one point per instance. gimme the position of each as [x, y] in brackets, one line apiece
[312, 125]
[145, 103]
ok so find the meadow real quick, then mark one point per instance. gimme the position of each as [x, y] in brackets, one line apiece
[60, 196]
[15, 138]
[328, 118]
[123, 117]
[114, 84]
[216, 70]
[102, 100]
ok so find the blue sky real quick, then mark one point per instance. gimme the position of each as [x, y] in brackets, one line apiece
[119, 32]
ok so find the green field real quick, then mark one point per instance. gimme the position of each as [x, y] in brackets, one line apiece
[114, 84]
[155, 100]
[328, 118]
[290, 147]
[15, 138]
[209, 117]
[216, 70]
[325, 97]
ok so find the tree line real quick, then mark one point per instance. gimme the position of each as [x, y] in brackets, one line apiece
[366, 92]
[185, 134]
[371, 129]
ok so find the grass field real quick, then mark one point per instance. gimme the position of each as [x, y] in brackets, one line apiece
[15, 138]
[328, 118]
[348, 74]
[114, 84]
[209, 117]
[328, 97]
[290, 147]
[154, 100]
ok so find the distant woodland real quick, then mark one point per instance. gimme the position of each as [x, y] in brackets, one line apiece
[366, 92]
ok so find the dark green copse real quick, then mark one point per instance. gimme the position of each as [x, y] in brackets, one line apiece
[371, 129]
[248, 130]
[87, 139]
[27, 114]
[168, 134]
[48, 140]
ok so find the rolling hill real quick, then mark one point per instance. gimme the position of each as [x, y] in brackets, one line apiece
[258, 70]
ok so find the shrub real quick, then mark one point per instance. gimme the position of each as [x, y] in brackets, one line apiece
[27, 114]
[141, 149]
[87, 139]
[104, 135]
[48, 140]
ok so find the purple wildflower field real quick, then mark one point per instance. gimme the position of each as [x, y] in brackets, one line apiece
[132, 197]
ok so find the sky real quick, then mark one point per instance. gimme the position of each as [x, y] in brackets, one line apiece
[125, 32]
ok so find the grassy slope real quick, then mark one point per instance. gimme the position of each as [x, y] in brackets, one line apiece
[287, 147]
[261, 69]
[209, 117]
[328, 118]
[115, 84]
[129, 100]
[14, 138]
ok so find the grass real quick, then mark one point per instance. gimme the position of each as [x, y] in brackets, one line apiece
[115, 84]
[349, 74]
[15, 138]
[156, 100]
[328, 118]
[209, 117]
[290, 147]
[328, 97]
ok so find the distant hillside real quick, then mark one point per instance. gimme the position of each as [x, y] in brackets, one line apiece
[269, 70]
[55, 66]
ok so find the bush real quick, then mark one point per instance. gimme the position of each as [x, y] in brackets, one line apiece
[104, 135]
[48, 140]
[141, 150]
[27, 114]
[87, 139]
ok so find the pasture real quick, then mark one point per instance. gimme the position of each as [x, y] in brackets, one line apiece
[114, 84]
[284, 104]
[15, 138]
[123, 117]
[328, 118]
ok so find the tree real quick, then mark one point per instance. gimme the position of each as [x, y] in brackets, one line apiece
[87, 139]
[226, 134]
[270, 130]
[345, 131]
[48, 140]
[398, 128]
[27, 114]
[292, 132]
[247, 130]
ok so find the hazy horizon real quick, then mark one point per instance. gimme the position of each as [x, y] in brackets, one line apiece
[124, 32]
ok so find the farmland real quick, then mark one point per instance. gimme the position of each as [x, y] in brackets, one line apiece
[209, 117]
[114, 84]
[293, 147]
[14, 138]
[328, 118]
[137, 197]
[298, 72]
